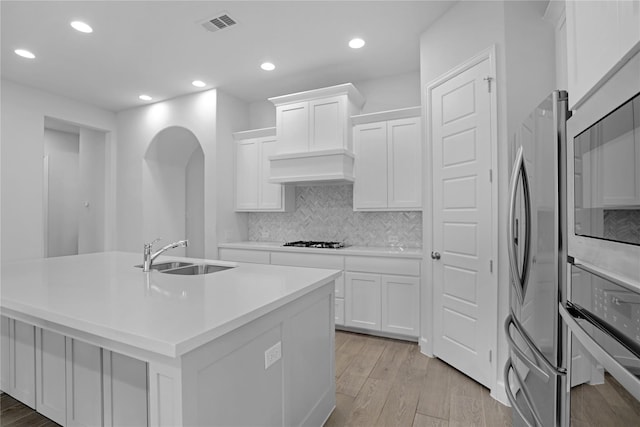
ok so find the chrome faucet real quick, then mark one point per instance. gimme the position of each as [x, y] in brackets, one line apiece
[149, 257]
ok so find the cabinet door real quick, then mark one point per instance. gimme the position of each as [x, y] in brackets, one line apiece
[593, 44]
[84, 384]
[269, 195]
[125, 390]
[401, 305]
[51, 375]
[19, 361]
[404, 160]
[247, 174]
[362, 300]
[327, 123]
[628, 24]
[292, 123]
[370, 187]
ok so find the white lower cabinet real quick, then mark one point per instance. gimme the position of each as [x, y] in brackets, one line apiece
[70, 381]
[374, 293]
[363, 301]
[383, 302]
[18, 360]
[400, 305]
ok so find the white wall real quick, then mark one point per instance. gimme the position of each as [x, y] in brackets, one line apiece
[195, 204]
[136, 129]
[233, 116]
[525, 74]
[23, 110]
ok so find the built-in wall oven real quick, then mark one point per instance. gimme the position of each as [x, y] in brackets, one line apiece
[601, 303]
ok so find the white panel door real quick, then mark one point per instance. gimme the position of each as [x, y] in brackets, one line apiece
[370, 187]
[462, 225]
[404, 163]
[362, 300]
[401, 305]
[246, 174]
[270, 195]
[292, 123]
[84, 384]
[327, 123]
[51, 375]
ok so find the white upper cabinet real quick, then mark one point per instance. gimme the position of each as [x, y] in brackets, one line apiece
[316, 120]
[388, 165]
[254, 192]
[601, 36]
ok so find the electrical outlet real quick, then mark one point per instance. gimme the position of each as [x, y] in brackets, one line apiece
[272, 354]
[264, 235]
[393, 239]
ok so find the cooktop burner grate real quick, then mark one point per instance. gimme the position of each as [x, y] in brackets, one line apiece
[313, 244]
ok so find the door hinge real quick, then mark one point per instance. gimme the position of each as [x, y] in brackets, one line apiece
[488, 80]
[490, 175]
[491, 266]
[490, 356]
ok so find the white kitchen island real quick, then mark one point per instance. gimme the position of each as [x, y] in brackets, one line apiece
[203, 342]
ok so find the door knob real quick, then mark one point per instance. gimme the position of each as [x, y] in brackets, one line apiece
[435, 255]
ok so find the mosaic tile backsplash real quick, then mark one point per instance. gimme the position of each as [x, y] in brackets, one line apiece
[326, 213]
[622, 225]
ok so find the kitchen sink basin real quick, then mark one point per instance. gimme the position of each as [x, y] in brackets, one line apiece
[195, 269]
[167, 265]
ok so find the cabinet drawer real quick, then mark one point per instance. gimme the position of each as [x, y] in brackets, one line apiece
[243, 255]
[409, 267]
[334, 262]
[339, 311]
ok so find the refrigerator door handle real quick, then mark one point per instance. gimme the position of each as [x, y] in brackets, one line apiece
[519, 169]
[525, 395]
[533, 366]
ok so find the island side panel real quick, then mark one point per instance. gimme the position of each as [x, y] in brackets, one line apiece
[165, 393]
[225, 382]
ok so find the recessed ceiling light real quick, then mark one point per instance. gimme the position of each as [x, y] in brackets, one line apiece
[24, 53]
[145, 97]
[82, 27]
[356, 43]
[198, 83]
[268, 66]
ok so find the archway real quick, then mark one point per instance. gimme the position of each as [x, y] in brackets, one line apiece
[173, 190]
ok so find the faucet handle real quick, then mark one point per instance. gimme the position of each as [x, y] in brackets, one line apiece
[150, 245]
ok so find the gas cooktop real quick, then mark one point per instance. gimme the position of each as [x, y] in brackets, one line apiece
[312, 244]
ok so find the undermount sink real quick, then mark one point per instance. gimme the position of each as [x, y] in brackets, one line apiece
[168, 265]
[195, 269]
[186, 268]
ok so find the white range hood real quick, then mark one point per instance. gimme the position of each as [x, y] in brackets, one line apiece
[313, 131]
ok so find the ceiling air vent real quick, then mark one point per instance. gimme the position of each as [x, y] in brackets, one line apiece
[219, 22]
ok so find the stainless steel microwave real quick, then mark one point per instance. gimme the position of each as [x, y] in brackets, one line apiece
[607, 176]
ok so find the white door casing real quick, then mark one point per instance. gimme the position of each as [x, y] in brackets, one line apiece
[462, 128]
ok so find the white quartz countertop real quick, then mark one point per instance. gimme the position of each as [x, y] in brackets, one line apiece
[383, 251]
[104, 295]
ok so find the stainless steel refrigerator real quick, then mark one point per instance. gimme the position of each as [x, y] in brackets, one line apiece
[535, 374]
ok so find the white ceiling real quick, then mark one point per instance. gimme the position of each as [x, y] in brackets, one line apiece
[159, 47]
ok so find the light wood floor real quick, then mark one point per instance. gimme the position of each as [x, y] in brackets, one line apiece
[384, 382]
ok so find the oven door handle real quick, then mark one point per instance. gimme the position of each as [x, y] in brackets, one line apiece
[544, 376]
[610, 364]
[519, 168]
[525, 395]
